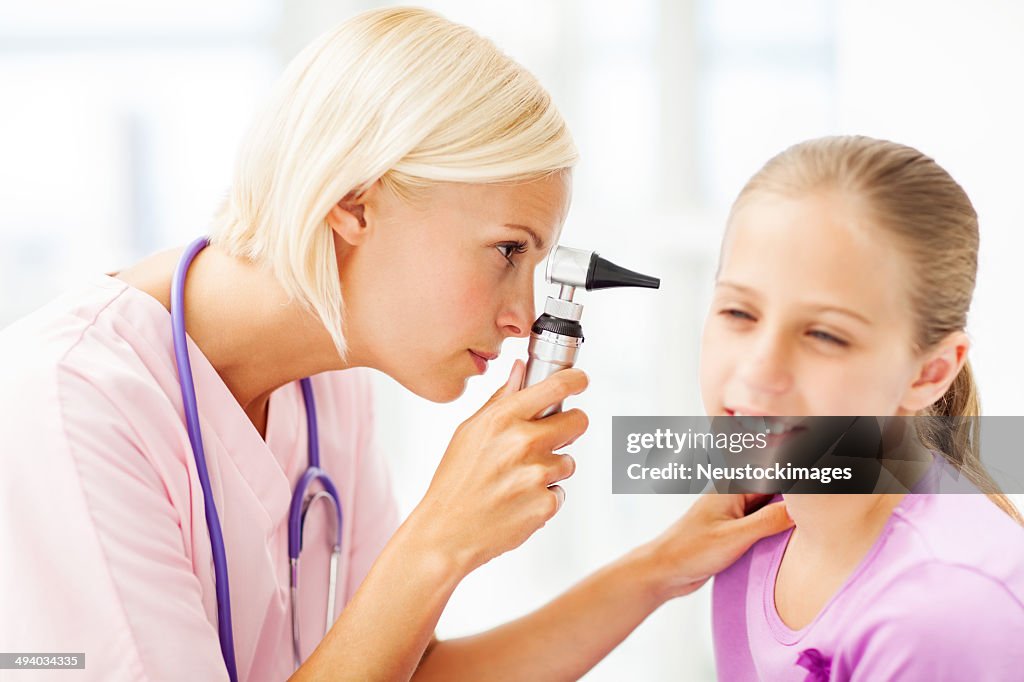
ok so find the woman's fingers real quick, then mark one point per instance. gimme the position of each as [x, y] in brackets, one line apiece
[559, 494]
[528, 402]
[768, 520]
[560, 429]
[562, 466]
[501, 468]
[511, 385]
[754, 501]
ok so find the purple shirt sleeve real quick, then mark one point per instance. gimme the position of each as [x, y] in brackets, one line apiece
[937, 622]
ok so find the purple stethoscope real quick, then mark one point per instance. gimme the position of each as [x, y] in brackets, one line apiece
[300, 503]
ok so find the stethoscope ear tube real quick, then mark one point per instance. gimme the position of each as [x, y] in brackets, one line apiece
[188, 398]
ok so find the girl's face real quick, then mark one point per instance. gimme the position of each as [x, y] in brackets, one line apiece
[432, 287]
[811, 316]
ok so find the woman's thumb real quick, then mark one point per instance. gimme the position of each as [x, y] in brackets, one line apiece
[768, 520]
[515, 380]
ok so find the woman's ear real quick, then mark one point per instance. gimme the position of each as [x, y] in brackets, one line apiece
[348, 217]
[936, 371]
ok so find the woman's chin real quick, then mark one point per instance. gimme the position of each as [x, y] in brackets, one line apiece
[440, 389]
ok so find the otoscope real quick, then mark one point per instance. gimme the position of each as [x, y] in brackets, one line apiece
[557, 335]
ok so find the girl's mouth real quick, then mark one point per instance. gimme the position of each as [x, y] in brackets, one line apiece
[775, 429]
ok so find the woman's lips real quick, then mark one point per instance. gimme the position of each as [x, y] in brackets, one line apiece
[480, 361]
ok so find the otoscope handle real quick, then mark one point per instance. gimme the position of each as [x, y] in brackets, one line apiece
[549, 353]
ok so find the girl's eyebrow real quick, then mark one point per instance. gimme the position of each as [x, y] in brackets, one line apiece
[818, 308]
[738, 287]
[825, 308]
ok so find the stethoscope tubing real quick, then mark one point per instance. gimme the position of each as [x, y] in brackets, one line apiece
[188, 391]
[298, 507]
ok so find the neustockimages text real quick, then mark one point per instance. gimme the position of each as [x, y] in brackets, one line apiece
[736, 442]
[707, 472]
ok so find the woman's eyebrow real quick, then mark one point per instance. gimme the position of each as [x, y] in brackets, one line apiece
[537, 241]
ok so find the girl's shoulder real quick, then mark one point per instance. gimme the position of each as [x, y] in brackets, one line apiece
[944, 595]
[940, 619]
[952, 536]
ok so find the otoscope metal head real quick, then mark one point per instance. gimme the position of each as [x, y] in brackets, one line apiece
[579, 268]
[557, 335]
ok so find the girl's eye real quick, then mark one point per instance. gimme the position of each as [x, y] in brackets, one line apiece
[825, 336]
[509, 249]
[737, 314]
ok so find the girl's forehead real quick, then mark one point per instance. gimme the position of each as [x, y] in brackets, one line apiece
[822, 244]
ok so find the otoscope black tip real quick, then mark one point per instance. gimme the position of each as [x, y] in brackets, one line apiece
[604, 274]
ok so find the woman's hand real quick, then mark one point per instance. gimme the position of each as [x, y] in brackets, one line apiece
[712, 534]
[495, 485]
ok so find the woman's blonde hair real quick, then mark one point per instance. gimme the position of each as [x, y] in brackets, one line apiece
[935, 226]
[398, 95]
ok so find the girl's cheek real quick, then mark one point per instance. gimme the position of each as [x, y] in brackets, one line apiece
[839, 389]
[714, 367]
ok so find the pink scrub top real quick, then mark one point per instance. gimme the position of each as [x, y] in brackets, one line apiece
[104, 547]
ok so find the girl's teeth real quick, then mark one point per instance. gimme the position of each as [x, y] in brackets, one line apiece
[780, 428]
[775, 428]
[750, 423]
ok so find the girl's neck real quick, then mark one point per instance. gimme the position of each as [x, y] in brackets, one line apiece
[840, 526]
[832, 536]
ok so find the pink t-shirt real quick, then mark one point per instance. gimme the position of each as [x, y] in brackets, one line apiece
[104, 547]
[939, 596]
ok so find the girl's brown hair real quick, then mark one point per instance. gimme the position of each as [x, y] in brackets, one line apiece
[932, 222]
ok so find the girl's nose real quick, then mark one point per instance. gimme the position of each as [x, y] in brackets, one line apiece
[766, 370]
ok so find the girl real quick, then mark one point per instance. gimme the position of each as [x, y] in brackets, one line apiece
[845, 277]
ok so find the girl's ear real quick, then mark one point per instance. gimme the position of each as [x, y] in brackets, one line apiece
[348, 217]
[936, 371]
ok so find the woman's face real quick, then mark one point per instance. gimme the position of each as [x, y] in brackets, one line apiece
[810, 314]
[433, 286]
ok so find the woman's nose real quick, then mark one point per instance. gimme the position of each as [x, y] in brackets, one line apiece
[766, 368]
[517, 314]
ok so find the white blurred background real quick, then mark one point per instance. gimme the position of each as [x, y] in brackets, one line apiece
[119, 122]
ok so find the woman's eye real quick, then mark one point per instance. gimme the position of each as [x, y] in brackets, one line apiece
[509, 249]
[828, 338]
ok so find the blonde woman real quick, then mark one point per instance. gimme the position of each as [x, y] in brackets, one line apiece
[388, 210]
[846, 274]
